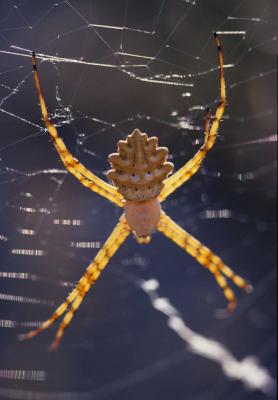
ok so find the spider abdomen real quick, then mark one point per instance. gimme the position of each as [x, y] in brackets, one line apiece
[142, 216]
[139, 167]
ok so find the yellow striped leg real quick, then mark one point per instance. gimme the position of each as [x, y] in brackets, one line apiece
[92, 273]
[86, 177]
[193, 165]
[205, 257]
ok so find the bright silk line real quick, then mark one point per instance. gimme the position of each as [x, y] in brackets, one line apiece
[248, 371]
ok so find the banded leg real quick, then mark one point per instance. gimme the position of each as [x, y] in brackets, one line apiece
[86, 177]
[193, 165]
[92, 273]
[204, 256]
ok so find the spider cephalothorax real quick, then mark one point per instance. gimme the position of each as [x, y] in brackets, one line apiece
[140, 177]
[139, 170]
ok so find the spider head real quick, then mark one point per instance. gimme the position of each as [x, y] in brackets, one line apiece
[142, 217]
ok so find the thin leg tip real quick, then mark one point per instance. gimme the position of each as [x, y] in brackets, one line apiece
[34, 61]
[249, 288]
[231, 307]
[217, 40]
[24, 336]
[28, 335]
[54, 346]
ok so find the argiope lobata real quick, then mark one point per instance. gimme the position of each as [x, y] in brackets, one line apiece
[140, 183]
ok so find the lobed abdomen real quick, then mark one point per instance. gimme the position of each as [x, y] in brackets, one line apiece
[139, 168]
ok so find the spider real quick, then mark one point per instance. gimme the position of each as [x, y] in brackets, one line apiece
[140, 184]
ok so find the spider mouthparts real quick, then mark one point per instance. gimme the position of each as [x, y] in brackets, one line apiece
[215, 34]
[143, 239]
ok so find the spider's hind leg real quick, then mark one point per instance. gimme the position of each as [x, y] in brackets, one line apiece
[205, 257]
[57, 314]
[75, 298]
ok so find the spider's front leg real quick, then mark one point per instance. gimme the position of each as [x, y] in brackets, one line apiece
[86, 177]
[193, 165]
[205, 257]
[74, 299]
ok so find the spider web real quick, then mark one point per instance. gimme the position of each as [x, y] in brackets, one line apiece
[153, 326]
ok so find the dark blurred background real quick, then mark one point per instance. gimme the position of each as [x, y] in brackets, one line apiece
[118, 345]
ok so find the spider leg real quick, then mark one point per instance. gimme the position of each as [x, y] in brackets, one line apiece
[57, 313]
[205, 257]
[74, 299]
[86, 177]
[193, 165]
